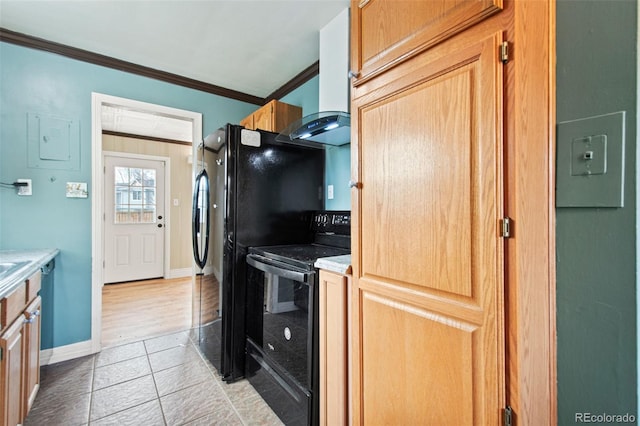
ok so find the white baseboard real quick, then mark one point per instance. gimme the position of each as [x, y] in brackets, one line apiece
[179, 273]
[65, 353]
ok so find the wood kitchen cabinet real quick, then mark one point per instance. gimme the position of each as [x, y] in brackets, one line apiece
[20, 348]
[387, 32]
[11, 373]
[445, 95]
[333, 349]
[31, 371]
[273, 117]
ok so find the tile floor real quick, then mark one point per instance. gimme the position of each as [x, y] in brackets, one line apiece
[158, 381]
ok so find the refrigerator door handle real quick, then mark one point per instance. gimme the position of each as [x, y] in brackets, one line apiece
[201, 189]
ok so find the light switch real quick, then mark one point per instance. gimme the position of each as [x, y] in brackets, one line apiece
[590, 161]
[589, 155]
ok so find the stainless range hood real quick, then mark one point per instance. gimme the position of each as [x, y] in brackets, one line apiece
[326, 127]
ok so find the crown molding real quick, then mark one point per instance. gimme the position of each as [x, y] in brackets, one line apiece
[25, 40]
[297, 81]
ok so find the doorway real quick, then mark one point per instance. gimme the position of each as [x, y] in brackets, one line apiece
[134, 217]
[102, 118]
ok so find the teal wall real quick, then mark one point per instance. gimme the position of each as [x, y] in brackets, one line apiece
[36, 81]
[596, 247]
[338, 167]
[41, 82]
[305, 96]
[338, 174]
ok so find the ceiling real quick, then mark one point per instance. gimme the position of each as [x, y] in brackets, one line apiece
[250, 46]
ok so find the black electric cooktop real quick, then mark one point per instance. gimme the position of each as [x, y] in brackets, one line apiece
[331, 230]
[301, 256]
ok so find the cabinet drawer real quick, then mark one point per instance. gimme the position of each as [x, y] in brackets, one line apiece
[34, 283]
[13, 305]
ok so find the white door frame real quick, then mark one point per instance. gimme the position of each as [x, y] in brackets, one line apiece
[98, 100]
[166, 260]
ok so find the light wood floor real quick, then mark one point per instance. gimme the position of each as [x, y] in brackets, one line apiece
[141, 309]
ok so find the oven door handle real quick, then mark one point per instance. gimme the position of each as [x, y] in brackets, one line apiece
[280, 269]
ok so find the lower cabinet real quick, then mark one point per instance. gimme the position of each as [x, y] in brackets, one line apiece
[31, 376]
[334, 410]
[11, 344]
[20, 352]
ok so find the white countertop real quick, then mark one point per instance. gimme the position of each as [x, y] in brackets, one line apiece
[338, 264]
[35, 258]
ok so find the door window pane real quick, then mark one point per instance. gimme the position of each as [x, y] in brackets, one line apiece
[135, 195]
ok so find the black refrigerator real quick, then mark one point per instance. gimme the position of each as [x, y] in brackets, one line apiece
[250, 190]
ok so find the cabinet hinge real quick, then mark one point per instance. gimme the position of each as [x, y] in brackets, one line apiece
[1, 354]
[508, 416]
[504, 52]
[505, 227]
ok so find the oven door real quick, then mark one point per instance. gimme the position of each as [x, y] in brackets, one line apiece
[282, 313]
[281, 298]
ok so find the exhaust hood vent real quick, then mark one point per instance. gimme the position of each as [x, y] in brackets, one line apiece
[327, 127]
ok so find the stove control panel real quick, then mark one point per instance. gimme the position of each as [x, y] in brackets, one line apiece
[338, 222]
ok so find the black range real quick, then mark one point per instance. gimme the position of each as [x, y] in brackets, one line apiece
[282, 318]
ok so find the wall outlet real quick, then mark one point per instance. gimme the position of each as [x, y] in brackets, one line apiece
[330, 192]
[24, 190]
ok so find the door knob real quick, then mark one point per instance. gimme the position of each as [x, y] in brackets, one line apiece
[159, 217]
[159, 225]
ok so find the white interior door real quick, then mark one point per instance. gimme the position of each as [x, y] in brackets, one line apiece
[134, 219]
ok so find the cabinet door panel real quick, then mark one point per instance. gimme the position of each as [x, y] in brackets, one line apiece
[333, 349]
[32, 354]
[34, 283]
[263, 118]
[13, 304]
[11, 343]
[247, 122]
[431, 366]
[392, 31]
[275, 116]
[429, 258]
[284, 114]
